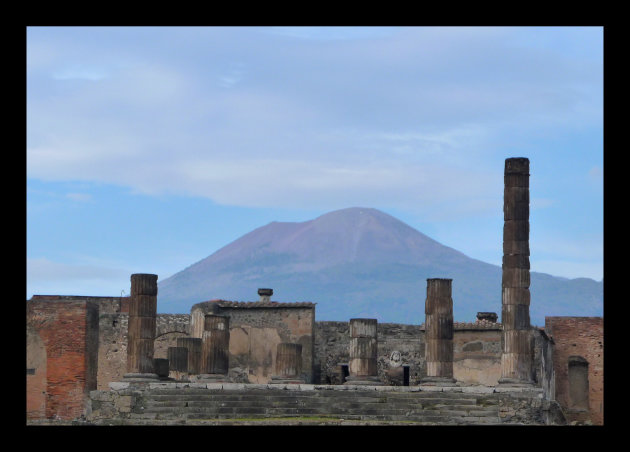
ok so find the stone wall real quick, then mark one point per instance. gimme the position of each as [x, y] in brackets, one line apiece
[256, 331]
[476, 348]
[112, 350]
[168, 328]
[580, 337]
[62, 346]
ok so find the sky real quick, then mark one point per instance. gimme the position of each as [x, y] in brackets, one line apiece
[150, 148]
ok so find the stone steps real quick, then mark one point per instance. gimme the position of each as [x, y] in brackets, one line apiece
[420, 407]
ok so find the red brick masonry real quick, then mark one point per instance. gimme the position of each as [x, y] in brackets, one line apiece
[66, 329]
[579, 336]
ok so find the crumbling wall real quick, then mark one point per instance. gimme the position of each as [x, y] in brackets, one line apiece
[477, 354]
[168, 328]
[255, 333]
[581, 337]
[112, 349]
[476, 349]
[62, 345]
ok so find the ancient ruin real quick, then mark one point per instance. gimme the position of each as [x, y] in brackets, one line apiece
[115, 361]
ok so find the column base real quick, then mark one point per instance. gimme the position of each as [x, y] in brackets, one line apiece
[438, 381]
[286, 380]
[212, 378]
[364, 380]
[515, 382]
[133, 376]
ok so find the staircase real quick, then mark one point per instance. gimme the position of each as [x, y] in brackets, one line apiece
[197, 405]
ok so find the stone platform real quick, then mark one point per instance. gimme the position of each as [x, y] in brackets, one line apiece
[136, 403]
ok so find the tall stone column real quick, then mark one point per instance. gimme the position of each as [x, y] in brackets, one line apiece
[288, 363]
[516, 359]
[142, 325]
[215, 348]
[363, 353]
[193, 344]
[438, 309]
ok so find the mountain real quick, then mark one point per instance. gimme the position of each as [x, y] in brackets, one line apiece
[361, 262]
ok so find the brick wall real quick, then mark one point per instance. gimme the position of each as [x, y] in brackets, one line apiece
[62, 342]
[579, 336]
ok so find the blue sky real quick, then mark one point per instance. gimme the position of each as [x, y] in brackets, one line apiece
[148, 149]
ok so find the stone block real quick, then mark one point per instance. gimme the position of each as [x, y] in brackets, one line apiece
[118, 385]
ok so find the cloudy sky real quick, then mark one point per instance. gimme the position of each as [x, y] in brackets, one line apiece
[148, 149]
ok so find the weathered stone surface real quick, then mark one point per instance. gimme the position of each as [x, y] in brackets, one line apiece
[144, 284]
[515, 295]
[216, 342]
[515, 317]
[514, 210]
[516, 359]
[516, 180]
[140, 356]
[516, 261]
[439, 326]
[363, 328]
[143, 306]
[363, 349]
[517, 165]
[141, 328]
[515, 230]
[288, 360]
[516, 247]
[194, 346]
[439, 329]
[178, 359]
[516, 277]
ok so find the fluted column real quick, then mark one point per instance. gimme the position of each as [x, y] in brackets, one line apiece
[288, 363]
[516, 359]
[142, 326]
[438, 310]
[363, 353]
[178, 359]
[194, 345]
[215, 347]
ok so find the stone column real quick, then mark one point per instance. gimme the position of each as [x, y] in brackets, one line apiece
[178, 362]
[193, 344]
[215, 348]
[516, 359]
[288, 363]
[363, 353]
[142, 325]
[438, 309]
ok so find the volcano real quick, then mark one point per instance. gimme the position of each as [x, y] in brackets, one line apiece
[361, 262]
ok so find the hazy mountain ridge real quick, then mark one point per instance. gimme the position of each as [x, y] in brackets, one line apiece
[362, 262]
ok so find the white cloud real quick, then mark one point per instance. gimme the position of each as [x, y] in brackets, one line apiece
[303, 122]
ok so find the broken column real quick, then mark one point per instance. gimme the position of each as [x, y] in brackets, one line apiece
[215, 348]
[141, 329]
[193, 345]
[363, 352]
[516, 359]
[438, 310]
[288, 363]
[178, 362]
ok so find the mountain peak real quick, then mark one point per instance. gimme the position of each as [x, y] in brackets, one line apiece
[353, 262]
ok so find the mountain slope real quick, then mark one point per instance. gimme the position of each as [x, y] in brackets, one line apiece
[361, 262]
